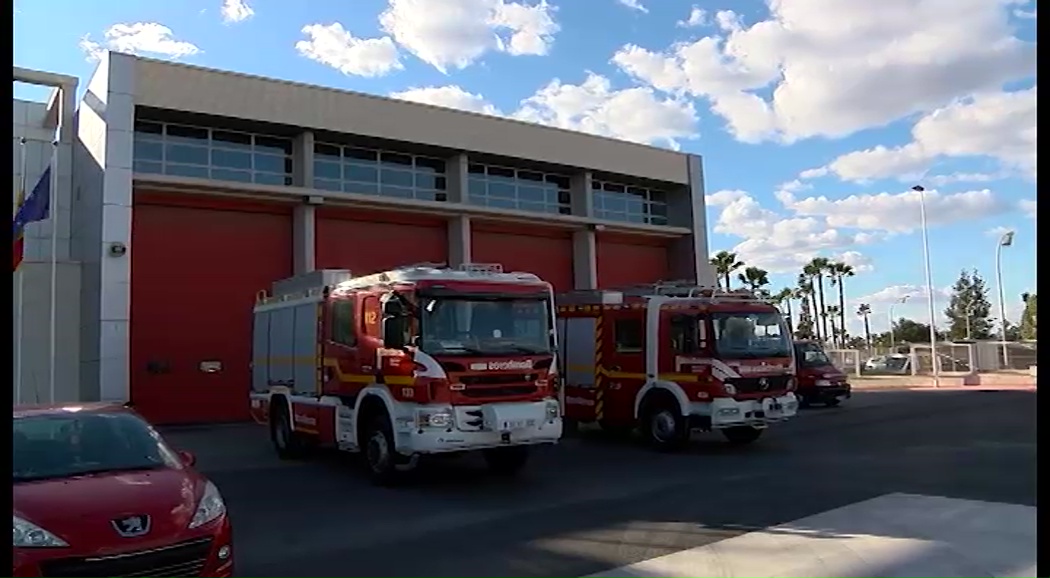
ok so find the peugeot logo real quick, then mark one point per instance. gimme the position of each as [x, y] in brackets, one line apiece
[132, 526]
[763, 384]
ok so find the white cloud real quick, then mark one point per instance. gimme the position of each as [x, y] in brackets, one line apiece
[1028, 206]
[997, 232]
[906, 293]
[999, 125]
[860, 262]
[593, 106]
[332, 45]
[697, 17]
[897, 212]
[954, 178]
[148, 38]
[723, 198]
[835, 67]
[236, 11]
[456, 33]
[449, 97]
[634, 5]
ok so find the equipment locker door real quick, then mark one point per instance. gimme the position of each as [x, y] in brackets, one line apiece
[624, 371]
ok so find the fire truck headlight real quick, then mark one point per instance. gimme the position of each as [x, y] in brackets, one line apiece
[791, 384]
[435, 419]
[553, 409]
[730, 389]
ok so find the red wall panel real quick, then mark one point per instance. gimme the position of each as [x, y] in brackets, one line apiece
[196, 267]
[545, 252]
[625, 260]
[368, 242]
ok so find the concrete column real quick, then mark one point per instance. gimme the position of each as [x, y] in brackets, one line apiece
[582, 195]
[304, 231]
[459, 241]
[689, 255]
[456, 175]
[303, 160]
[585, 260]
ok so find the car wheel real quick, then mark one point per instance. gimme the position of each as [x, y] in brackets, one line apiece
[285, 441]
[742, 435]
[506, 461]
[663, 426]
[385, 466]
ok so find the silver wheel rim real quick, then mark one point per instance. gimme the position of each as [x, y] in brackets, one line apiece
[662, 426]
[378, 451]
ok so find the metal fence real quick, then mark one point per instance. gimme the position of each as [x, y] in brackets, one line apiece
[954, 358]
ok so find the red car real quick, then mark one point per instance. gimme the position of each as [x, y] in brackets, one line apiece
[97, 492]
[818, 380]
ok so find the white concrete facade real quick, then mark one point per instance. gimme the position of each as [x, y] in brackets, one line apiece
[104, 180]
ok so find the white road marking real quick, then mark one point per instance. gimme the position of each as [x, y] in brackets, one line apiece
[892, 535]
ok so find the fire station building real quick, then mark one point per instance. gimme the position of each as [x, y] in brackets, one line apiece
[192, 189]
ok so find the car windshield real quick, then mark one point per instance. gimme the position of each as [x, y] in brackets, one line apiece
[72, 444]
[503, 326]
[751, 335]
[811, 355]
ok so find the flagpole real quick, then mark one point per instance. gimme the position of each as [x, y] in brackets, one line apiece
[53, 209]
[20, 303]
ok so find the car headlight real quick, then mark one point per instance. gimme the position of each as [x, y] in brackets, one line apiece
[210, 507]
[822, 383]
[436, 419]
[29, 535]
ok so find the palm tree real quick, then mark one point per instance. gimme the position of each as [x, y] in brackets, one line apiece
[836, 332]
[816, 269]
[754, 278]
[865, 311]
[839, 271]
[725, 263]
[784, 297]
[807, 326]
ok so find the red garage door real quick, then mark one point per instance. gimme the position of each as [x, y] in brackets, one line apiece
[625, 260]
[368, 242]
[544, 252]
[196, 268]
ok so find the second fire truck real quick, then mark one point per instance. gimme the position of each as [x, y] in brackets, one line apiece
[415, 361]
[669, 359]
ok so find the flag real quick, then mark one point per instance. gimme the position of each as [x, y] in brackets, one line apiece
[33, 208]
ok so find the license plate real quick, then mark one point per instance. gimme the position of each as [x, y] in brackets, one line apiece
[513, 424]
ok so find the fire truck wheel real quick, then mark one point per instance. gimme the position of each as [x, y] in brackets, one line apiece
[380, 457]
[506, 461]
[663, 426]
[287, 444]
[742, 435]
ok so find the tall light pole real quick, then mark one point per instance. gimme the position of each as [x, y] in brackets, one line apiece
[1005, 241]
[929, 284]
[902, 300]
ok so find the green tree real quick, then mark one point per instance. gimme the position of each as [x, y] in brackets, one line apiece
[839, 271]
[807, 300]
[783, 298]
[911, 331]
[725, 264]
[1028, 318]
[865, 311]
[969, 309]
[816, 270]
[754, 278]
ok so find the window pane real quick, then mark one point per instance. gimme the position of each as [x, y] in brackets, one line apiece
[658, 220]
[148, 150]
[328, 185]
[534, 207]
[396, 159]
[360, 173]
[273, 179]
[532, 194]
[530, 176]
[196, 171]
[430, 165]
[564, 197]
[477, 188]
[476, 169]
[501, 172]
[360, 154]
[502, 203]
[397, 178]
[362, 188]
[558, 181]
[175, 153]
[231, 140]
[273, 145]
[145, 126]
[271, 163]
[428, 181]
[231, 159]
[327, 170]
[400, 192]
[502, 190]
[148, 167]
[327, 150]
[230, 175]
[186, 134]
[612, 187]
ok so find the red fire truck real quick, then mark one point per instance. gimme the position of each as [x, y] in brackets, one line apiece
[415, 361]
[672, 358]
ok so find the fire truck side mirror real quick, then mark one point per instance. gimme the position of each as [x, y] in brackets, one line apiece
[393, 308]
[394, 331]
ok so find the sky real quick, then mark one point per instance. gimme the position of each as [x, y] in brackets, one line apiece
[815, 118]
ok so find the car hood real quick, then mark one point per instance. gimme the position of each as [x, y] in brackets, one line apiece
[830, 371]
[81, 510]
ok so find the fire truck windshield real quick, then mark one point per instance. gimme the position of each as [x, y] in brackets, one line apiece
[751, 335]
[470, 326]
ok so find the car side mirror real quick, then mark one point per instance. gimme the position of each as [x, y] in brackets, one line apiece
[187, 458]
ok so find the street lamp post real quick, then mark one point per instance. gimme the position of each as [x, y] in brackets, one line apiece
[1005, 241]
[929, 284]
[893, 339]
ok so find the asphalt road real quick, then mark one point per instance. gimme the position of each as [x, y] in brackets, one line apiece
[592, 503]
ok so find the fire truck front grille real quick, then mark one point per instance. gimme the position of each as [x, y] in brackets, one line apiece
[759, 384]
[497, 385]
[182, 559]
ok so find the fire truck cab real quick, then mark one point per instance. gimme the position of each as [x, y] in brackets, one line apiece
[416, 361]
[672, 358]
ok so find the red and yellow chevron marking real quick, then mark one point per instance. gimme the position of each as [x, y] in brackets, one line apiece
[599, 375]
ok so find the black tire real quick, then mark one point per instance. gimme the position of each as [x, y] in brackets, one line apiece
[377, 447]
[742, 434]
[506, 461]
[288, 444]
[663, 425]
